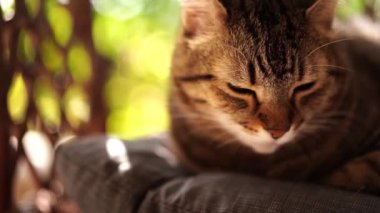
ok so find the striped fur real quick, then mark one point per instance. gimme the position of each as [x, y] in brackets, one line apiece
[266, 87]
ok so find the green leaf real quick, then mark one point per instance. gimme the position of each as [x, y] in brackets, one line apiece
[60, 21]
[79, 63]
[76, 106]
[33, 6]
[47, 103]
[52, 56]
[26, 49]
[17, 99]
[349, 8]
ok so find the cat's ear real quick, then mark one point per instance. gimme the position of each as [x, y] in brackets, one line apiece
[321, 13]
[201, 16]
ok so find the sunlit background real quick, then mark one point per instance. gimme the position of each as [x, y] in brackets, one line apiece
[138, 37]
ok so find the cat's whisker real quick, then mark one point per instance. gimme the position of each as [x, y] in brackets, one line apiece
[331, 120]
[325, 45]
[208, 127]
[338, 115]
[189, 115]
[332, 66]
[326, 123]
[236, 49]
[322, 123]
[310, 129]
[320, 126]
[224, 143]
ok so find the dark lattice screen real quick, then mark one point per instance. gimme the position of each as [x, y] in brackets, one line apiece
[34, 53]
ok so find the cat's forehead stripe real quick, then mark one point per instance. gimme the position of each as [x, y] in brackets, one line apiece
[252, 74]
[272, 28]
[301, 70]
[262, 67]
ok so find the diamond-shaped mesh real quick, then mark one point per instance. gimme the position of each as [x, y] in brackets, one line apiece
[51, 80]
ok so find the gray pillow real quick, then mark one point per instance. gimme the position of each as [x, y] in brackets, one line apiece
[104, 174]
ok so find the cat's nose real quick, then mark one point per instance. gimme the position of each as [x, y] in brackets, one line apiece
[276, 134]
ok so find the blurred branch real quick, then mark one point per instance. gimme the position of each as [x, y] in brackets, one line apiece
[82, 14]
[5, 123]
[370, 9]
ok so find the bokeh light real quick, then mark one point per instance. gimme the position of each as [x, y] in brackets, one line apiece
[138, 37]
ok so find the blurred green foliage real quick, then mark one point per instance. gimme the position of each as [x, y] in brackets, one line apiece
[75, 104]
[51, 56]
[47, 102]
[138, 36]
[60, 21]
[79, 63]
[349, 8]
[17, 99]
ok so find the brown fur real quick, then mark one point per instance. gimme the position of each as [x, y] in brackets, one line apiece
[270, 64]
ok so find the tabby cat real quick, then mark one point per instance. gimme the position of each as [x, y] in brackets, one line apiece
[268, 87]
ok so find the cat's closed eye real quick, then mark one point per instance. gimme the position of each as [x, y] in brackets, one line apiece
[240, 90]
[303, 92]
[303, 88]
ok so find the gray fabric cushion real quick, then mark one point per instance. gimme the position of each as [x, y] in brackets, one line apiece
[95, 180]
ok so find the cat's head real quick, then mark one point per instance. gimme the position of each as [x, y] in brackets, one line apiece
[259, 68]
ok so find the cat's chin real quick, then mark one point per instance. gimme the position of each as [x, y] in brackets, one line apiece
[261, 141]
[287, 137]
